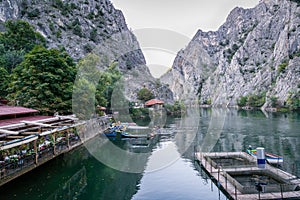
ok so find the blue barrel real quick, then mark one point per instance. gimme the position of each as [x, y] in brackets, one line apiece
[261, 158]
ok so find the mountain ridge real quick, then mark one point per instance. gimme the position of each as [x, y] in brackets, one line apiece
[255, 52]
[87, 26]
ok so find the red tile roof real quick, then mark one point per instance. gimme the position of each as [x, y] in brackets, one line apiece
[15, 110]
[153, 102]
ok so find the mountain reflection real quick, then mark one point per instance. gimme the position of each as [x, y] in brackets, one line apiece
[141, 168]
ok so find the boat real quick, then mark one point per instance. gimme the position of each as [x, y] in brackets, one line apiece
[270, 158]
[127, 135]
[115, 130]
[138, 127]
[110, 134]
[123, 134]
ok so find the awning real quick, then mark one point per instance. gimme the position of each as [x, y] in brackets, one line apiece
[19, 142]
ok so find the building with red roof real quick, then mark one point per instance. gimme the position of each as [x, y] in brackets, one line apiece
[155, 103]
[15, 114]
[15, 111]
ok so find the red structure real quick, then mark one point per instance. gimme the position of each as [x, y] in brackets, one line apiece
[15, 110]
[153, 102]
[15, 114]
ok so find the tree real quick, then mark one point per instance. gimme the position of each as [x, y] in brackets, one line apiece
[274, 101]
[83, 99]
[256, 100]
[18, 39]
[242, 101]
[44, 81]
[145, 94]
[109, 79]
[3, 82]
[293, 100]
[106, 85]
[85, 87]
[20, 35]
[98, 84]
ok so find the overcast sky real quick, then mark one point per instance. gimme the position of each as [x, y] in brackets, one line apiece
[176, 20]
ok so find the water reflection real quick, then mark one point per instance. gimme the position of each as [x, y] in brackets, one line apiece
[72, 188]
[76, 175]
[277, 132]
[165, 165]
[169, 178]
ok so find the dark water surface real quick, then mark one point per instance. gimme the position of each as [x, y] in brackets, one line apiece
[163, 166]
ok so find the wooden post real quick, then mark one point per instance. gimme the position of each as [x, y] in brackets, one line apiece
[226, 180]
[281, 191]
[219, 174]
[54, 145]
[36, 152]
[68, 141]
[235, 192]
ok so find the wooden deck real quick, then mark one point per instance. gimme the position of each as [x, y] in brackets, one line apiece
[86, 131]
[233, 187]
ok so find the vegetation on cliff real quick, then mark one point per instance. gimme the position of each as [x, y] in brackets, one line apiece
[44, 81]
[43, 78]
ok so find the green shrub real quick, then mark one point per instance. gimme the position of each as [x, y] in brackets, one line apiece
[90, 16]
[93, 35]
[87, 48]
[235, 47]
[58, 34]
[136, 113]
[274, 101]
[176, 109]
[58, 4]
[77, 30]
[293, 101]
[207, 102]
[255, 101]
[242, 101]
[145, 94]
[282, 67]
[33, 14]
[4, 80]
[51, 27]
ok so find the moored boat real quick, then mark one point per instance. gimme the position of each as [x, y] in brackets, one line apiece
[270, 158]
[124, 135]
[127, 135]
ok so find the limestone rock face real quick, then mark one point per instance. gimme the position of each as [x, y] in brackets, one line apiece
[256, 51]
[78, 26]
[84, 26]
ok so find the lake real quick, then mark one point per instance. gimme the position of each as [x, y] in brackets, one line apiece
[162, 167]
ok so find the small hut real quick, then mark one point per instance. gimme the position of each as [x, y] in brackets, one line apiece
[154, 103]
[102, 110]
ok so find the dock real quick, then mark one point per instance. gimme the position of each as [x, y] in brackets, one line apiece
[27, 145]
[237, 175]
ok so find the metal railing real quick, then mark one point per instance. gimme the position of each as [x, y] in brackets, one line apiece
[223, 175]
[20, 162]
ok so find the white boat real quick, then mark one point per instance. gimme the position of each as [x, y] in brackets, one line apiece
[271, 158]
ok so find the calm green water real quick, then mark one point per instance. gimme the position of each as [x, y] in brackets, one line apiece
[164, 166]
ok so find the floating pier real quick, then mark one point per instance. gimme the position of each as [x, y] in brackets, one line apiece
[237, 174]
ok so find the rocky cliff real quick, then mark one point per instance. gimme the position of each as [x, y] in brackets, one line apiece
[255, 52]
[84, 26]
